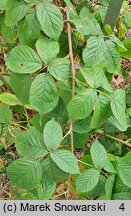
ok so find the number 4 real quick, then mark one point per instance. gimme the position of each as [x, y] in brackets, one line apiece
[122, 207]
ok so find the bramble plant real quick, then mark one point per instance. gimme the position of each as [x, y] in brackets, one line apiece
[58, 59]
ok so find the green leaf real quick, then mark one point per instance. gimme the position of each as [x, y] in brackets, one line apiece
[100, 14]
[63, 42]
[82, 104]
[71, 8]
[127, 17]
[86, 27]
[108, 29]
[3, 4]
[47, 49]
[20, 84]
[22, 194]
[102, 111]
[127, 44]
[87, 24]
[23, 59]
[95, 77]
[9, 99]
[88, 180]
[114, 124]
[29, 29]
[122, 30]
[85, 13]
[5, 114]
[15, 11]
[25, 173]
[82, 126]
[65, 160]
[50, 18]
[122, 196]
[129, 111]
[39, 121]
[124, 168]
[32, 1]
[119, 43]
[8, 32]
[98, 190]
[119, 186]
[1, 145]
[118, 107]
[112, 57]
[52, 135]
[109, 167]
[80, 140]
[46, 190]
[30, 144]
[59, 68]
[94, 46]
[109, 186]
[43, 91]
[98, 154]
[51, 172]
[104, 2]
[60, 113]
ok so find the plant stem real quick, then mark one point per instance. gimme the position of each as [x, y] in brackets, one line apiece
[82, 162]
[114, 138]
[20, 126]
[85, 85]
[106, 95]
[4, 82]
[89, 165]
[66, 135]
[73, 90]
[27, 117]
[59, 195]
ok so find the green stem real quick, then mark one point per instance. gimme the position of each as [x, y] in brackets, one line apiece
[84, 163]
[103, 94]
[90, 165]
[114, 138]
[27, 117]
[66, 135]
[85, 85]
